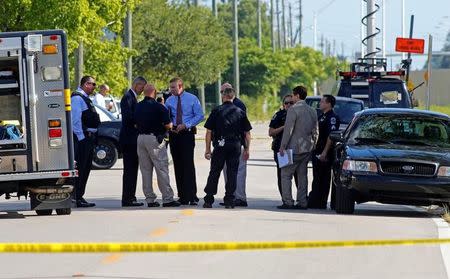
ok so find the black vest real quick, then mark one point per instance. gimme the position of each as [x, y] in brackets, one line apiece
[89, 117]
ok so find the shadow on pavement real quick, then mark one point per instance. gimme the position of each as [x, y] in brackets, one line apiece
[262, 204]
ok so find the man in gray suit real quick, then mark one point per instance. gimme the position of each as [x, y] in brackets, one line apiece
[300, 134]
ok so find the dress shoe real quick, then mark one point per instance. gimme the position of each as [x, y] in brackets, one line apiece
[229, 205]
[285, 206]
[171, 204]
[299, 207]
[153, 204]
[240, 203]
[83, 203]
[132, 203]
[207, 205]
[183, 202]
[193, 203]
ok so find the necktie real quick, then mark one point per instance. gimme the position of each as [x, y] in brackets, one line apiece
[179, 119]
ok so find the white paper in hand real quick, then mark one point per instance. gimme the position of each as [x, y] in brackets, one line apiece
[286, 159]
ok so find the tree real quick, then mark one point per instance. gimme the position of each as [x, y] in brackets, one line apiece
[174, 40]
[441, 62]
[83, 20]
[247, 14]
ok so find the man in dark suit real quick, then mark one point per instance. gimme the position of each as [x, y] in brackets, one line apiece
[128, 143]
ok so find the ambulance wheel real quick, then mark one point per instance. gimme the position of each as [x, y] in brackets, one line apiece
[63, 211]
[44, 212]
[105, 154]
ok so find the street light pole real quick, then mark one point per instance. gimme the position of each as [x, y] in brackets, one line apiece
[258, 22]
[201, 86]
[272, 27]
[235, 48]
[219, 79]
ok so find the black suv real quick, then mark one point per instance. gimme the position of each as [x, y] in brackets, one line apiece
[378, 88]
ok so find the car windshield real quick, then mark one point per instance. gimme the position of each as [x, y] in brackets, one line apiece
[346, 110]
[402, 129]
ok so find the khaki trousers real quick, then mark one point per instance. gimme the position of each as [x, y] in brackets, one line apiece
[154, 155]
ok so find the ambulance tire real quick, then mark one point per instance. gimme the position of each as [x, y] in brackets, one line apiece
[63, 211]
[44, 212]
[110, 154]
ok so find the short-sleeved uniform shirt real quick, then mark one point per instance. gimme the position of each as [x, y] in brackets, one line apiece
[278, 120]
[151, 117]
[328, 122]
[228, 122]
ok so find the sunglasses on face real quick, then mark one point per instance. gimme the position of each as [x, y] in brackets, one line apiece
[289, 103]
[93, 83]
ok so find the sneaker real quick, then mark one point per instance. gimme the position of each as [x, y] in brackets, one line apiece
[171, 204]
[285, 206]
[153, 204]
[207, 205]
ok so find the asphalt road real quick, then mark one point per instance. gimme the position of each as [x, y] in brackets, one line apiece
[108, 222]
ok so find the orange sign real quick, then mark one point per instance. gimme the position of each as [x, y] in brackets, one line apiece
[410, 45]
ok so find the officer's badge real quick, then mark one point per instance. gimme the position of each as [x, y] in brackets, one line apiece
[333, 120]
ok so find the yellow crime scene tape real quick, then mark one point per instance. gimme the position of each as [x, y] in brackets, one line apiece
[136, 247]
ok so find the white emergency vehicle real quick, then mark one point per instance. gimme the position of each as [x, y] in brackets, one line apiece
[36, 144]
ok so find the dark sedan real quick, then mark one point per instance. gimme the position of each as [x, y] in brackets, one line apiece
[107, 149]
[395, 156]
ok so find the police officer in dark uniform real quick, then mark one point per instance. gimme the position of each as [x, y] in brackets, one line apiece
[228, 124]
[85, 121]
[323, 154]
[276, 127]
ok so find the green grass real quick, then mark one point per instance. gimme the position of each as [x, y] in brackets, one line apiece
[441, 109]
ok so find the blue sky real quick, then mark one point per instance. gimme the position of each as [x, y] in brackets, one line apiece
[341, 21]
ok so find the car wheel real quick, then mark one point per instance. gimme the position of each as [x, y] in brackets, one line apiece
[44, 212]
[345, 202]
[63, 211]
[105, 154]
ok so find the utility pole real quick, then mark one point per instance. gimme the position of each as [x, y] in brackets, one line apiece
[314, 31]
[278, 24]
[272, 27]
[371, 42]
[362, 31]
[283, 17]
[235, 48]
[300, 19]
[383, 34]
[258, 23]
[430, 57]
[201, 86]
[334, 48]
[291, 35]
[128, 44]
[79, 65]
[403, 24]
[322, 44]
[219, 79]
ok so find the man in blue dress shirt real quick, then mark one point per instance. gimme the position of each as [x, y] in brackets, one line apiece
[185, 112]
[85, 122]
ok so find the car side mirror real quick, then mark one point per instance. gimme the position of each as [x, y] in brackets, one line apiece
[336, 136]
